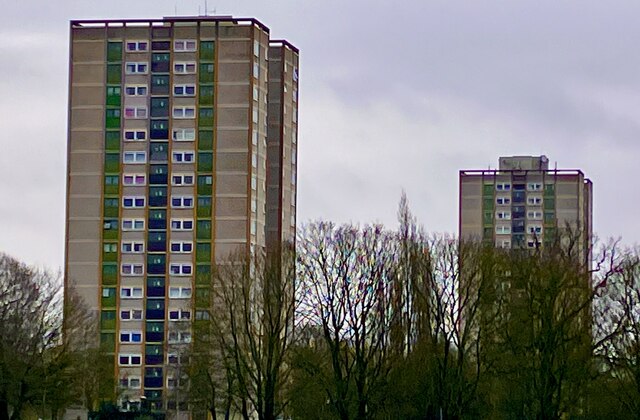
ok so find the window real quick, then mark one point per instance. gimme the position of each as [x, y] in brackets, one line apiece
[184, 67]
[132, 224]
[135, 112]
[134, 46]
[175, 359]
[184, 134]
[184, 90]
[131, 292]
[132, 269]
[534, 215]
[179, 315]
[505, 215]
[134, 157]
[503, 229]
[129, 359]
[181, 224]
[184, 112]
[179, 337]
[133, 202]
[180, 269]
[130, 314]
[182, 179]
[132, 247]
[181, 247]
[503, 200]
[131, 382]
[503, 186]
[136, 67]
[179, 157]
[184, 45]
[534, 229]
[505, 244]
[256, 70]
[534, 200]
[135, 135]
[180, 201]
[179, 292]
[134, 179]
[131, 336]
[136, 90]
[534, 186]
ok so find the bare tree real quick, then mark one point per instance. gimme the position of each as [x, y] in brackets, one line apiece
[31, 323]
[346, 274]
[617, 327]
[250, 324]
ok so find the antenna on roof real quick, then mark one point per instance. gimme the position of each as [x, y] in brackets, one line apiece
[206, 12]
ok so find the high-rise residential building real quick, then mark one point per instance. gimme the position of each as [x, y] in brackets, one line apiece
[182, 139]
[524, 203]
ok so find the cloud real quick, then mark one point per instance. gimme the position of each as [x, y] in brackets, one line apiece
[393, 96]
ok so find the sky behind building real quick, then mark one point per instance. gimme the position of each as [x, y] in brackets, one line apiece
[393, 96]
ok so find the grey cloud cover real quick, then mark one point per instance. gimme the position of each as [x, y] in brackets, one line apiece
[393, 95]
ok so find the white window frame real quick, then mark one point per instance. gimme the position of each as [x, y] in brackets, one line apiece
[503, 186]
[178, 337]
[134, 179]
[138, 90]
[130, 334]
[183, 155]
[503, 229]
[178, 224]
[534, 215]
[134, 201]
[183, 201]
[180, 269]
[184, 67]
[131, 312]
[136, 67]
[185, 45]
[181, 247]
[534, 229]
[503, 201]
[134, 292]
[135, 112]
[129, 379]
[138, 135]
[181, 90]
[132, 247]
[183, 134]
[534, 186]
[135, 158]
[184, 112]
[139, 45]
[132, 269]
[503, 215]
[534, 200]
[130, 357]
[182, 179]
[137, 224]
[180, 292]
[182, 314]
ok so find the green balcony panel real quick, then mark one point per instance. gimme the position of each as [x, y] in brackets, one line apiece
[114, 51]
[205, 162]
[207, 51]
[206, 73]
[109, 274]
[203, 229]
[114, 95]
[108, 320]
[205, 140]
[114, 74]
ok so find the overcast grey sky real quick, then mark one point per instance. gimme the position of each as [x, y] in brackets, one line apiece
[393, 95]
